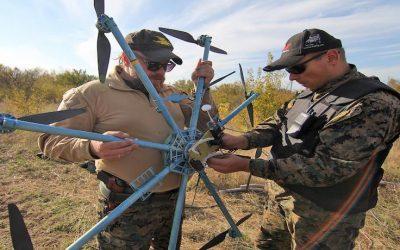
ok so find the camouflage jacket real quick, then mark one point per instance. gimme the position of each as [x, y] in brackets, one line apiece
[346, 142]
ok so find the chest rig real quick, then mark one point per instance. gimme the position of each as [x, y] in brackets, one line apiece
[300, 135]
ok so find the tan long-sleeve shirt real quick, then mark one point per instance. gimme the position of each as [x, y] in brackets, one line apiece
[114, 106]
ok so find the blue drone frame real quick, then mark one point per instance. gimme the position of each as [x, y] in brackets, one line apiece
[177, 150]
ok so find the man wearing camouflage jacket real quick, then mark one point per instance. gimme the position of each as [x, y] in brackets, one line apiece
[328, 145]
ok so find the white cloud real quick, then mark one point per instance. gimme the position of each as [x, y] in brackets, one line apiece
[246, 29]
[17, 57]
[383, 72]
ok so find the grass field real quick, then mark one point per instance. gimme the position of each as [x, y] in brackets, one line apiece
[58, 202]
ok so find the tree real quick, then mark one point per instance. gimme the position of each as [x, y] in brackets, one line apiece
[186, 86]
[73, 78]
[395, 84]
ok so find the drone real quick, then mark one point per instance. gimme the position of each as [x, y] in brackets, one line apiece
[185, 152]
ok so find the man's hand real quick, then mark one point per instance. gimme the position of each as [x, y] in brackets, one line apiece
[203, 69]
[229, 163]
[113, 150]
[234, 142]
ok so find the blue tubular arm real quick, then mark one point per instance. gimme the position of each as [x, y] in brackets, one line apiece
[180, 204]
[112, 26]
[103, 223]
[234, 231]
[12, 123]
[199, 91]
[238, 109]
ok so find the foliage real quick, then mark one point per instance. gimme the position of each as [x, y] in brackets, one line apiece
[394, 84]
[268, 85]
[27, 91]
[186, 86]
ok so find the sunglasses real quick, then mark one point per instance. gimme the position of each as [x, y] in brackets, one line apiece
[300, 68]
[155, 66]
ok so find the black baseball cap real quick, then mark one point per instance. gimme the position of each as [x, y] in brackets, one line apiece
[301, 44]
[153, 45]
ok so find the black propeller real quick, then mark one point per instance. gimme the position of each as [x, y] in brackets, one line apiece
[103, 45]
[221, 237]
[19, 233]
[220, 79]
[189, 38]
[250, 109]
[52, 117]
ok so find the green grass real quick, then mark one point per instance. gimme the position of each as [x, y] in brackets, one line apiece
[59, 201]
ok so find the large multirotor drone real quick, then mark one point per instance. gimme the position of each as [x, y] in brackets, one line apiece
[185, 151]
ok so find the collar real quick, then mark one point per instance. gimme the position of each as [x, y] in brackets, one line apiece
[330, 86]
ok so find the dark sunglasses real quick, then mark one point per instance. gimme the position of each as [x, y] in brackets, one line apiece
[300, 68]
[155, 66]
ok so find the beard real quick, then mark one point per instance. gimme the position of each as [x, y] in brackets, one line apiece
[158, 81]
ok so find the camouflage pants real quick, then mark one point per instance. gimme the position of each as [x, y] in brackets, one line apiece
[285, 227]
[145, 223]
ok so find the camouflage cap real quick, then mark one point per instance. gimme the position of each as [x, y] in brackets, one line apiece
[301, 44]
[153, 45]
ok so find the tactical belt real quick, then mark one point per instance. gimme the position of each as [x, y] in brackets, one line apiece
[116, 190]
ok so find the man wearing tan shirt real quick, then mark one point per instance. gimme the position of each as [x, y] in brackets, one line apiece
[123, 108]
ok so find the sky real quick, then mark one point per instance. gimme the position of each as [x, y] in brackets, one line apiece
[61, 34]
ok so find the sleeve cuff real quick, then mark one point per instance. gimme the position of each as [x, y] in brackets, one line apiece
[90, 155]
[261, 168]
[250, 140]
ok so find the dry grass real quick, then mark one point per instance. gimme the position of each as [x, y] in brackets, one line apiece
[58, 202]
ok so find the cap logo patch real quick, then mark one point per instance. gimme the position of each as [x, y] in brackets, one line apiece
[162, 41]
[286, 48]
[313, 41]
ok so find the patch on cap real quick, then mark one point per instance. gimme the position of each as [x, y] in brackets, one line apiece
[162, 41]
[313, 41]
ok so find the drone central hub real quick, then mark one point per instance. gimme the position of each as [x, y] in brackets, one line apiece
[101, 23]
[203, 39]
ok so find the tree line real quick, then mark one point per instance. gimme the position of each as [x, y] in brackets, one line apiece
[35, 90]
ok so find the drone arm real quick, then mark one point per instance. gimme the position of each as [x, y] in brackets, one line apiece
[103, 223]
[180, 203]
[187, 106]
[199, 167]
[12, 123]
[109, 22]
[199, 90]
[238, 109]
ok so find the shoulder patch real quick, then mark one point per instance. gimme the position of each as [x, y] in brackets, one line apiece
[347, 113]
[290, 104]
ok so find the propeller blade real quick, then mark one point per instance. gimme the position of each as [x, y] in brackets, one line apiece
[19, 233]
[218, 50]
[242, 78]
[179, 34]
[99, 7]
[250, 111]
[52, 117]
[220, 79]
[103, 55]
[221, 237]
